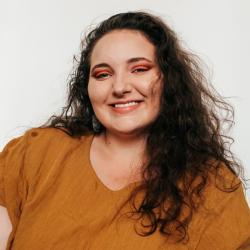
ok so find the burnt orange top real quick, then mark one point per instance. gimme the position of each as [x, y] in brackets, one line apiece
[56, 201]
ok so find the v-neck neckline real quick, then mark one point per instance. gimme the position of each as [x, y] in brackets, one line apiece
[93, 173]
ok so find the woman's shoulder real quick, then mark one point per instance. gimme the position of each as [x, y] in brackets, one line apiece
[48, 136]
[39, 145]
[224, 185]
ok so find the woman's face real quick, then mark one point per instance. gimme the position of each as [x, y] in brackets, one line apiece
[124, 83]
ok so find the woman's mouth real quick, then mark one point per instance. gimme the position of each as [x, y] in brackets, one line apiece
[123, 108]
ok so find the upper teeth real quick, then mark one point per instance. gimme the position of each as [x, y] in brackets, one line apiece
[126, 104]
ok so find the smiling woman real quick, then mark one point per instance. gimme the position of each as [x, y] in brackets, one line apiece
[136, 160]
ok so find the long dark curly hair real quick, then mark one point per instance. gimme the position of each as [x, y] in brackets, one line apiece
[185, 143]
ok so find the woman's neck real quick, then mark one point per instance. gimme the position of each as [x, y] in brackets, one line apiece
[123, 144]
[129, 151]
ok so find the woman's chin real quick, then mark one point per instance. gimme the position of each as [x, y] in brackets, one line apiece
[126, 131]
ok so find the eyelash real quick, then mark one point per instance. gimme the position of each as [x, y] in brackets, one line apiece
[141, 69]
[99, 76]
[136, 70]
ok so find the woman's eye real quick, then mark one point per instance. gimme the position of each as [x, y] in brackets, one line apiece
[140, 70]
[102, 75]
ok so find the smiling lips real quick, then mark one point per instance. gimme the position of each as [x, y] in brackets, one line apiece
[123, 108]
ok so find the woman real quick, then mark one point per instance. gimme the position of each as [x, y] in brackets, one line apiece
[136, 160]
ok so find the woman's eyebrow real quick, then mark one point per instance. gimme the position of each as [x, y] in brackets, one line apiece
[100, 65]
[136, 59]
[131, 60]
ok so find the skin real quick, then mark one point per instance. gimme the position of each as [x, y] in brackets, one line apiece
[123, 67]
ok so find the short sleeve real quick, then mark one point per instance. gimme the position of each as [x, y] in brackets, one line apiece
[230, 227]
[13, 185]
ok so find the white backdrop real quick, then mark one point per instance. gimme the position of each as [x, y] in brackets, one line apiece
[39, 38]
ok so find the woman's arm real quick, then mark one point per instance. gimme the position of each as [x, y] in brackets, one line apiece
[5, 227]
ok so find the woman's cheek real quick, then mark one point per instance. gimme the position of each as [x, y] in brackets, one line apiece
[99, 94]
[148, 87]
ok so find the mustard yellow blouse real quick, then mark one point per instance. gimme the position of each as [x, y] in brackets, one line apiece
[56, 201]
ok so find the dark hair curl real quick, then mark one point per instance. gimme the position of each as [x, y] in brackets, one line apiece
[186, 140]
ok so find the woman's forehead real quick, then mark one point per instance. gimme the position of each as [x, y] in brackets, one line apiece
[121, 45]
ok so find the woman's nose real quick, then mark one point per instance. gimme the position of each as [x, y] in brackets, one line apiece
[121, 85]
